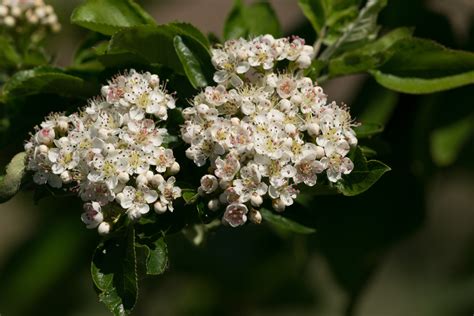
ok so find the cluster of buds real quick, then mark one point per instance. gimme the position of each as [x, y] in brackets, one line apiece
[24, 15]
[266, 136]
[242, 60]
[111, 153]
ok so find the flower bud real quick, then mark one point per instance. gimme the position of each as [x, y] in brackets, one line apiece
[159, 207]
[149, 175]
[123, 177]
[255, 217]
[174, 169]
[157, 180]
[313, 129]
[235, 121]
[256, 200]
[142, 180]
[278, 205]
[16, 11]
[104, 228]
[202, 108]
[214, 205]
[66, 177]
[45, 136]
[43, 149]
[9, 21]
[319, 152]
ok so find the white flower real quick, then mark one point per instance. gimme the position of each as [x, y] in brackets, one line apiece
[235, 214]
[92, 215]
[336, 166]
[136, 201]
[112, 150]
[169, 192]
[209, 184]
[227, 168]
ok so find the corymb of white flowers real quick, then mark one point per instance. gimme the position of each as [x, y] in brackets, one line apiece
[28, 15]
[111, 153]
[265, 132]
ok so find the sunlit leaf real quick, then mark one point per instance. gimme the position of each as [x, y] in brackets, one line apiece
[110, 16]
[252, 20]
[422, 66]
[191, 65]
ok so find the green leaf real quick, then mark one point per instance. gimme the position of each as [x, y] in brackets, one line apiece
[285, 223]
[114, 272]
[191, 65]
[110, 16]
[11, 181]
[365, 174]
[9, 56]
[155, 45]
[156, 255]
[447, 142]
[252, 20]
[363, 28]
[368, 129]
[369, 56]
[189, 195]
[422, 66]
[45, 79]
[330, 18]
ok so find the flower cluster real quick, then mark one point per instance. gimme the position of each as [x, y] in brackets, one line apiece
[264, 138]
[242, 58]
[25, 14]
[112, 150]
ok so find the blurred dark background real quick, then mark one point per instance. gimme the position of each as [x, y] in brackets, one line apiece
[405, 247]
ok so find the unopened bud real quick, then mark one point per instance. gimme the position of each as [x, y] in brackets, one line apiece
[256, 200]
[123, 177]
[214, 205]
[255, 217]
[66, 177]
[104, 228]
[278, 205]
[142, 180]
[160, 208]
[174, 169]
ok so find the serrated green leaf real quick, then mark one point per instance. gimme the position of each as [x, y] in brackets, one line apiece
[330, 18]
[245, 21]
[422, 66]
[110, 16]
[156, 255]
[11, 181]
[113, 270]
[369, 56]
[9, 56]
[360, 180]
[45, 79]
[368, 129]
[190, 63]
[284, 223]
[189, 196]
[359, 29]
[155, 45]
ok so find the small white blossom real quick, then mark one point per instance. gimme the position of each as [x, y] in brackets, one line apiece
[112, 150]
[265, 132]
